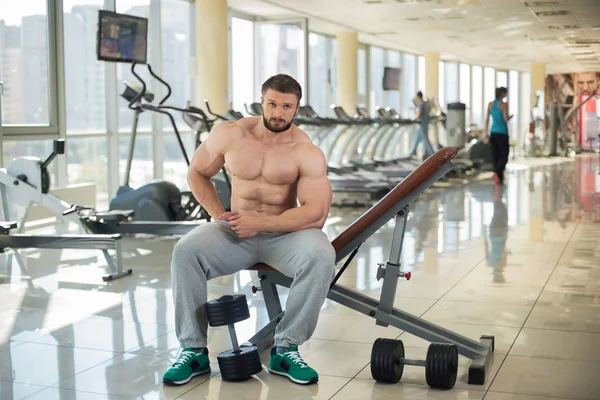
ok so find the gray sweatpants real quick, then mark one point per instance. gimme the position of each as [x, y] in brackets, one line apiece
[213, 249]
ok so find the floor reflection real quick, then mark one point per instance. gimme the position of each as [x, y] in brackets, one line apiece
[495, 248]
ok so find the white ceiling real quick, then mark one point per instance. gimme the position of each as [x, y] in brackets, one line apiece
[510, 34]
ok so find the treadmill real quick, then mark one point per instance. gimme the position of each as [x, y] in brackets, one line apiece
[353, 153]
[347, 184]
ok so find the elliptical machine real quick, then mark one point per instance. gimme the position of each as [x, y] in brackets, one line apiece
[159, 200]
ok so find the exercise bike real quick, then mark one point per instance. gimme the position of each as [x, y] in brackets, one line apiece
[160, 200]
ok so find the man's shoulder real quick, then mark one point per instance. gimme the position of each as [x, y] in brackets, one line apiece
[229, 129]
[300, 137]
[306, 151]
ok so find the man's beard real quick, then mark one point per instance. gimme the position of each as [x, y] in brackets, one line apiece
[275, 129]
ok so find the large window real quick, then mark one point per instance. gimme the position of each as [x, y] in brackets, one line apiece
[451, 82]
[242, 63]
[501, 79]
[174, 167]
[334, 73]
[87, 161]
[24, 63]
[489, 84]
[85, 86]
[280, 47]
[376, 72]
[177, 36]
[394, 59]
[142, 167]
[465, 89]
[408, 85]
[318, 72]
[421, 85]
[478, 104]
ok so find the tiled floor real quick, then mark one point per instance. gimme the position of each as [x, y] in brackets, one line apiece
[524, 267]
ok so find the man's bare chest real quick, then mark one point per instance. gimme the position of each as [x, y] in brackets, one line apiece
[252, 160]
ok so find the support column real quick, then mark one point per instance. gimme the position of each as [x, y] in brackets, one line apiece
[432, 75]
[212, 54]
[347, 66]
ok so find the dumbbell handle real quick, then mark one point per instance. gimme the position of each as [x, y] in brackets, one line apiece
[416, 363]
[234, 341]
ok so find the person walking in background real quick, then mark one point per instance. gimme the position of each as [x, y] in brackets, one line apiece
[498, 136]
[422, 118]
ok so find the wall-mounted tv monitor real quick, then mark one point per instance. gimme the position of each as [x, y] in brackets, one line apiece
[122, 38]
[391, 78]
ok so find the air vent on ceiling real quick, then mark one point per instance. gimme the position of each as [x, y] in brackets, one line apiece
[551, 13]
[373, 1]
[559, 27]
[543, 39]
[541, 3]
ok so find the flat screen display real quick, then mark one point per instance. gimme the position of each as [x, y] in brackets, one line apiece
[122, 38]
[391, 78]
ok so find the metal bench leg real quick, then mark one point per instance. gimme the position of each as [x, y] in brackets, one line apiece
[271, 296]
[115, 267]
[265, 337]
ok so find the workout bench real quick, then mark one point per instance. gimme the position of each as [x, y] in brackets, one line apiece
[395, 203]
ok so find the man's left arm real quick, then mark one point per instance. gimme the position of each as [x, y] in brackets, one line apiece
[314, 195]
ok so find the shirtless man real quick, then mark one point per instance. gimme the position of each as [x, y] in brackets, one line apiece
[280, 200]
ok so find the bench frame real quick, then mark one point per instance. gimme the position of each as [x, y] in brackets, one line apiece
[381, 310]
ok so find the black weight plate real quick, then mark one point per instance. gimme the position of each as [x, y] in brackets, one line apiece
[227, 310]
[239, 366]
[385, 355]
[441, 366]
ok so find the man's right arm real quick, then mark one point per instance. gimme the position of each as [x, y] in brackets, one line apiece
[208, 160]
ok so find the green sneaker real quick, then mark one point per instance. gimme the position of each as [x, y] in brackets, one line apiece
[189, 364]
[289, 363]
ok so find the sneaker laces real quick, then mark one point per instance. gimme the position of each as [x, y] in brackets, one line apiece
[184, 357]
[296, 358]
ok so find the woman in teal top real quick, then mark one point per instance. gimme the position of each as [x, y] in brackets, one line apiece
[498, 137]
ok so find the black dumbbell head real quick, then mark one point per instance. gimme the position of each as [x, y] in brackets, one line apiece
[239, 366]
[227, 310]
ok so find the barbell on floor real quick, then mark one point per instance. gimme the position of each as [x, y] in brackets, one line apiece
[441, 364]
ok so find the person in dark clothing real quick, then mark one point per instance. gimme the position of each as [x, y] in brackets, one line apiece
[498, 136]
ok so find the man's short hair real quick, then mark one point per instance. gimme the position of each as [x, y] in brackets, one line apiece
[283, 83]
[420, 94]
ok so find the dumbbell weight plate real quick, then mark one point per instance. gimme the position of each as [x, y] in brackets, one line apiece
[239, 366]
[441, 366]
[384, 360]
[227, 310]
